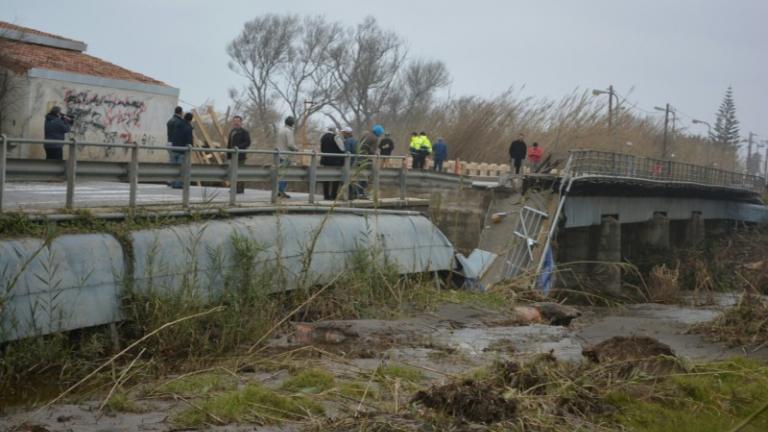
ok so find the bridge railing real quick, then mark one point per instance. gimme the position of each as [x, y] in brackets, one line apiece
[607, 164]
[374, 169]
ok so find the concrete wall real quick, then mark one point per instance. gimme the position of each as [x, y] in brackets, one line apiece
[77, 281]
[15, 105]
[108, 111]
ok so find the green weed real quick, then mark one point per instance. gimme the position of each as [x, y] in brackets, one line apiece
[712, 397]
[252, 404]
[309, 381]
[196, 385]
[120, 402]
[403, 372]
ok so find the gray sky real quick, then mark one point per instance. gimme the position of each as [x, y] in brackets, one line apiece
[685, 52]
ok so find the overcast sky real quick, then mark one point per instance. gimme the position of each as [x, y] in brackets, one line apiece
[685, 52]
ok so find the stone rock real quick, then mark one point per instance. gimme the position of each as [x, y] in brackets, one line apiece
[556, 313]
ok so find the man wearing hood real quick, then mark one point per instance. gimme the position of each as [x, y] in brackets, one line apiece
[56, 126]
[331, 143]
[286, 142]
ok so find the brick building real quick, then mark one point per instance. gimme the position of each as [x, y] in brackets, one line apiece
[109, 103]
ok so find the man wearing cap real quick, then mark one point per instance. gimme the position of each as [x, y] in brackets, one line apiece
[369, 146]
[285, 143]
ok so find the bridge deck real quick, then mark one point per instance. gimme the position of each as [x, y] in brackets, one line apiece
[39, 197]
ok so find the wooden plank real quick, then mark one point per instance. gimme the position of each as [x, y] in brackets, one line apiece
[215, 119]
[201, 127]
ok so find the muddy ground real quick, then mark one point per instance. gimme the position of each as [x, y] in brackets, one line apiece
[429, 348]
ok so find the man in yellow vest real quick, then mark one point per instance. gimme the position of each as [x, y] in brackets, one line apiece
[425, 149]
[414, 150]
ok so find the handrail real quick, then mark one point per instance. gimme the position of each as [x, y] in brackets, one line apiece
[595, 163]
[135, 171]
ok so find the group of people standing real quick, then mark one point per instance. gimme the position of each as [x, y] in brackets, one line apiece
[421, 147]
[519, 151]
[180, 134]
[339, 142]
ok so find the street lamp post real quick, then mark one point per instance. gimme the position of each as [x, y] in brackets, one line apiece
[611, 94]
[667, 110]
[765, 162]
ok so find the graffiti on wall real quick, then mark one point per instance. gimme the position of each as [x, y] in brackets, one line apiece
[115, 119]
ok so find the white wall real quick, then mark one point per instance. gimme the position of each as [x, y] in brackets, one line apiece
[102, 114]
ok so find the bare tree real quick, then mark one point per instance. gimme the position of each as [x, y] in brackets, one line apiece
[421, 79]
[305, 75]
[263, 46]
[365, 69]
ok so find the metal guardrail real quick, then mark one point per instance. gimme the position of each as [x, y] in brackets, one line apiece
[587, 163]
[356, 168]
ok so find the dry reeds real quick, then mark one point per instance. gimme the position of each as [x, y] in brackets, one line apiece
[663, 285]
[480, 129]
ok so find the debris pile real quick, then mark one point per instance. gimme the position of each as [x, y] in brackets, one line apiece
[744, 324]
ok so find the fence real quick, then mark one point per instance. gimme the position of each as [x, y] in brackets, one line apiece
[587, 163]
[356, 168]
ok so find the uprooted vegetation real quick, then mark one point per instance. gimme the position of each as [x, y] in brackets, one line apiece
[745, 324]
[630, 388]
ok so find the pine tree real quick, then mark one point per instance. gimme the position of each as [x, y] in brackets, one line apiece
[726, 130]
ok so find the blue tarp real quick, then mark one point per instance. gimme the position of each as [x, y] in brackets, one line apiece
[547, 275]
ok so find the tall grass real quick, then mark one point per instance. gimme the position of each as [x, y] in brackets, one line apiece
[480, 129]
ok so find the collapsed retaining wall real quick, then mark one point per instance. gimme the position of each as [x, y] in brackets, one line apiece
[78, 281]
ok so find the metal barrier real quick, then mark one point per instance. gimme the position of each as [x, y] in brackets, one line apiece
[587, 163]
[356, 168]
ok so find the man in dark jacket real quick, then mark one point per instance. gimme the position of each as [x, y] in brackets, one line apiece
[517, 152]
[440, 154]
[56, 126]
[331, 143]
[238, 138]
[175, 120]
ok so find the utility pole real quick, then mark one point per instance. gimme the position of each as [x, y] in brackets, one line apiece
[765, 161]
[610, 108]
[666, 125]
[611, 94]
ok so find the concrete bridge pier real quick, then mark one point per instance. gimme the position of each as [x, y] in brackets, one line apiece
[655, 232]
[695, 231]
[607, 273]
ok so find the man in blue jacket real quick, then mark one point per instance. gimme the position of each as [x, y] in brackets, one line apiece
[439, 154]
[56, 126]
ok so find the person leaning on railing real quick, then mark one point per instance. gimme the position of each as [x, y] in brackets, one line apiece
[57, 125]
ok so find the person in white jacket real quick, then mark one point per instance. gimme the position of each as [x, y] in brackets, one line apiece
[285, 142]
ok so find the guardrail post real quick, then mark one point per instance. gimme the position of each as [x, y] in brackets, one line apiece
[346, 176]
[312, 176]
[275, 178]
[133, 175]
[71, 173]
[186, 177]
[3, 167]
[234, 161]
[375, 179]
[403, 179]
